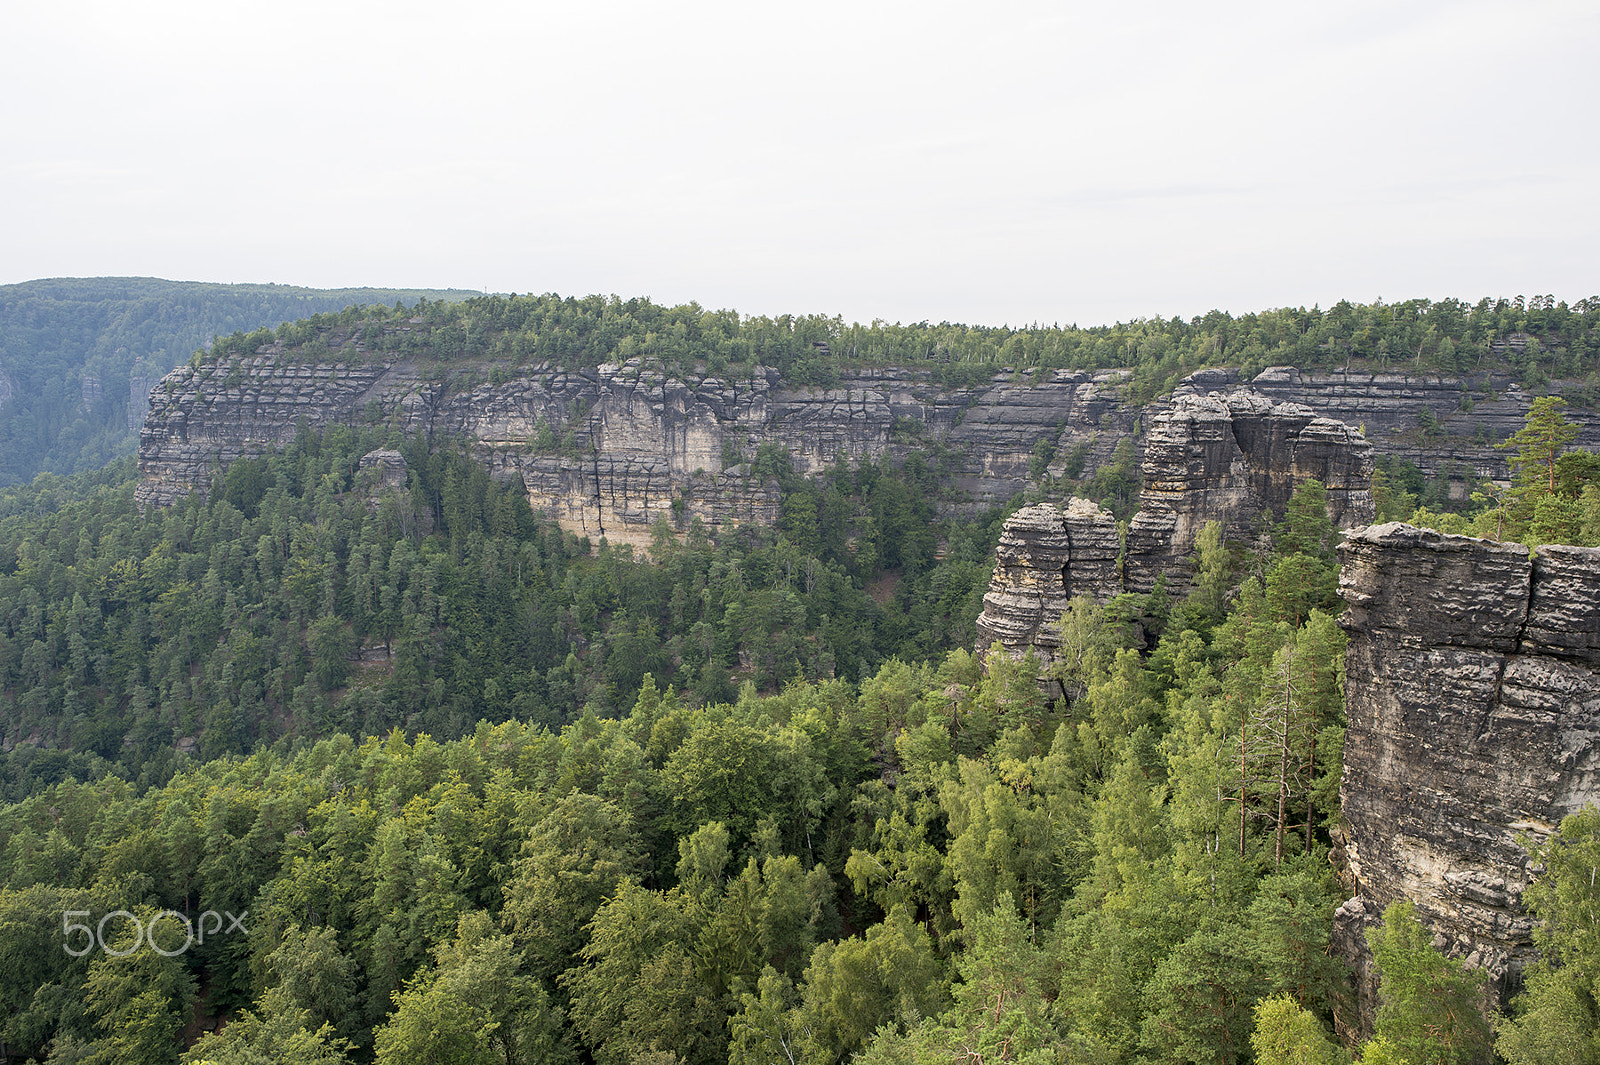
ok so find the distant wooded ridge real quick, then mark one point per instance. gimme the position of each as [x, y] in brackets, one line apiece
[78, 355]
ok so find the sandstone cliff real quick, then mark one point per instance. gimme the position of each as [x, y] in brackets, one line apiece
[1471, 413]
[632, 445]
[627, 445]
[1047, 556]
[1473, 698]
[1236, 458]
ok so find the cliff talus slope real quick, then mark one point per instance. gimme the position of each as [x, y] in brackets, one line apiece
[1473, 698]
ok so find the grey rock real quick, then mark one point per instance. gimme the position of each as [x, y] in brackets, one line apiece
[1047, 557]
[1237, 459]
[1473, 698]
[650, 448]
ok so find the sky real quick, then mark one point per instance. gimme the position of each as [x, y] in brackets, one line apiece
[1005, 163]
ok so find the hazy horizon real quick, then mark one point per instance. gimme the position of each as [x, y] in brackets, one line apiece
[1028, 163]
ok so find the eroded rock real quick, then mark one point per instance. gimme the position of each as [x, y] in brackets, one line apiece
[1236, 458]
[1047, 556]
[610, 450]
[1473, 698]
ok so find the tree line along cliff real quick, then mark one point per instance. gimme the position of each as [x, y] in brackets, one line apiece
[616, 414]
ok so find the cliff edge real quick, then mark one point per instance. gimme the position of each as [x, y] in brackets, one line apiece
[1473, 698]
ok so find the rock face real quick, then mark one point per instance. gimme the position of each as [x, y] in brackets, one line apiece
[1236, 458]
[387, 468]
[609, 450]
[1473, 698]
[1047, 557]
[1472, 414]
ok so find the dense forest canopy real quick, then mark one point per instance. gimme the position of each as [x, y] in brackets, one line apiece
[852, 863]
[406, 773]
[301, 600]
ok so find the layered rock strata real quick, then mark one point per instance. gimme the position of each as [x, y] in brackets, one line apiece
[1470, 413]
[1473, 698]
[609, 450]
[1236, 458]
[1047, 556]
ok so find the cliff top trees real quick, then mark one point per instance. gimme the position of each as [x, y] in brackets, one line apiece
[1540, 443]
[1548, 503]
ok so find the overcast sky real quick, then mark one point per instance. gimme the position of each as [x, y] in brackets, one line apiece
[993, 163]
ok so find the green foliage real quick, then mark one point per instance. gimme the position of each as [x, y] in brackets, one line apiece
[79, 352]
[1539, 444]
[934, 853]
[1431, 1007]
[476, 1006]
[890, 976]
[1556, 1018]
[489, 792]
[1288, 1034]
[289, 604]
[277, 1031]
[572, 862]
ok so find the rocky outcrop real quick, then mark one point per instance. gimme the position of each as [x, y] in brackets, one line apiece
[1047, 556]
[1469, 414]
[1473, 698]
[1236, 458]
[1233, 458]
[610, 450]
[381, 469]
[203, 418]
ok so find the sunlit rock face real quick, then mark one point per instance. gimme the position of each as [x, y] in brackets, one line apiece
[1473, 698]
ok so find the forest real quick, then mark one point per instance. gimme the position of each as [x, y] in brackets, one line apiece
[73, 350]
[1538, 340]
[319, 770]
[851, 864]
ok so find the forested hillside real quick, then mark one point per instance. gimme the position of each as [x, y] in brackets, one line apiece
[927, 858]
[303, 600]
[74, 351]
[362, 772]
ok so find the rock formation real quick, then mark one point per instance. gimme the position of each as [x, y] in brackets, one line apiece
[609, 450]
[1471, 413]
[1236, 459]
[384, 468]
[1047, 557]
[1473, 698]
